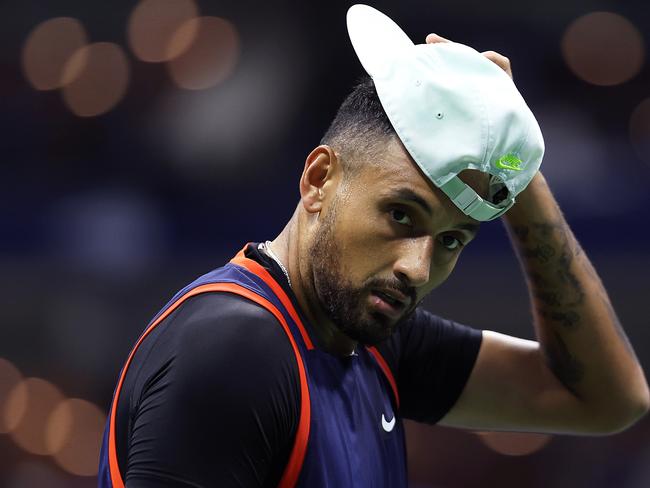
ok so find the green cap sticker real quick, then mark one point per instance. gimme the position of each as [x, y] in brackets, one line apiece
[509, 161]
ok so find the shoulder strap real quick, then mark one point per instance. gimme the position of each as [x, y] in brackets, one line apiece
[383, 365]
[257, 269]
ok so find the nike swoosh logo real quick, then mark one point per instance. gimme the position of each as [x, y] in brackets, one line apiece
[388, 426]
[509, 161]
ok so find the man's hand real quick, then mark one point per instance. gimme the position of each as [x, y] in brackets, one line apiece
[500, 60]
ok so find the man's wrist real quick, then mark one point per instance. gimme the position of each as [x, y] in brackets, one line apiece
[534, 204]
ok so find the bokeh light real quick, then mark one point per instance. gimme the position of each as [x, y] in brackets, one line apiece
[102, 81]
[603, 48]
[73, 435]
[640, 130]
[47, 49]
[514, 443]
[152, 25]
[15, 406]
[212, 56]
[9, 378]
[191, 127]
[28, 407]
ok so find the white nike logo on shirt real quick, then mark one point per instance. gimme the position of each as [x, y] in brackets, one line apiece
[388, 426]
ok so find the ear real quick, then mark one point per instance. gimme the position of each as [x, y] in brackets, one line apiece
[319, 178]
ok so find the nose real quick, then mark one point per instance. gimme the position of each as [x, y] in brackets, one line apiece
[413, 265]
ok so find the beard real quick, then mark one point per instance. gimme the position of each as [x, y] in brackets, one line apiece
[346, 305]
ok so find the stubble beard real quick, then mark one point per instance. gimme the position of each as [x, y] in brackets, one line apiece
[345, 304]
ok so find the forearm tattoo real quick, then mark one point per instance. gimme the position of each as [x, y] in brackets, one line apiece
[548, 250]
[551, 255]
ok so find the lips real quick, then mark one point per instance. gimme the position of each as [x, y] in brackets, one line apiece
[387, 298]
[389, 302]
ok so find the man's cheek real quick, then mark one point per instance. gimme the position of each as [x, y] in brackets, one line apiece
[439, 275]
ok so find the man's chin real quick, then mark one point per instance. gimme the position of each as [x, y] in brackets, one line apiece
[373, 331]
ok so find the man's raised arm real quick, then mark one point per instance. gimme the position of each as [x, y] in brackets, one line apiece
[582, 376]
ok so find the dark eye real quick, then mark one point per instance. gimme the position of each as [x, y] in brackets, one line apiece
[450, 242]
[401, 217]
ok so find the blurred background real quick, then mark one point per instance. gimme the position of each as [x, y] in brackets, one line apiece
[144, 142]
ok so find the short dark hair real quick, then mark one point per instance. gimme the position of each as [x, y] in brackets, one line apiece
[360, 126]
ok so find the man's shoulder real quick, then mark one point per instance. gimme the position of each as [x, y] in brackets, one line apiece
[218, 305]
[225, 341]
[221, 367]
[216, 341]
[211, 317]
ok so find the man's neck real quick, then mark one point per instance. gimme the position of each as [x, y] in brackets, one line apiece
[287, 247]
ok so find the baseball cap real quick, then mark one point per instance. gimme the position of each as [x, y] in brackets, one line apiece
[453, 109]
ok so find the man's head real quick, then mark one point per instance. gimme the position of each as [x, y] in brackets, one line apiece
[377, 234]
[381, 225]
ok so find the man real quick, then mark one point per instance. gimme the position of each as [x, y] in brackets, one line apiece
[294, 364]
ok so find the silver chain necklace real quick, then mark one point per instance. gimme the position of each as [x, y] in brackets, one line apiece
[269, 251]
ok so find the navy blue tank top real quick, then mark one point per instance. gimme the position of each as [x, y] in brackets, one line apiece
[349, 431]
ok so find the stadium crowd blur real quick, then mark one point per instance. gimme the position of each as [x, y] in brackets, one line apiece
[143, 143]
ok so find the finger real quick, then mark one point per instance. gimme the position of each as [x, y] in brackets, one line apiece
[435, 38]
[500, 60]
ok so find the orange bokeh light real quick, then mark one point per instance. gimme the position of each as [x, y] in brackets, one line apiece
[603, 48]
[47, 48]
[15, 406]
[212, 56]
[152, 25]
[74, 435]
[28, 407]
[514, 443]
[9, 378]
[101, 82]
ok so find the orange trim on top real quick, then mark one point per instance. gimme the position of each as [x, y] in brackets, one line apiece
[387, 372]
[297, 456]
[257, 269]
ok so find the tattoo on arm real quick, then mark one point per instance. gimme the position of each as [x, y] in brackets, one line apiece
[548, 251]
[564, 365]
[550, 254]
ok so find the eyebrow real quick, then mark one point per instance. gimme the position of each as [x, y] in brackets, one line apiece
[409, 195]
[469, 227]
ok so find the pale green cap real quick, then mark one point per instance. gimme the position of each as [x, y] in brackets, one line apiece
[453, 109]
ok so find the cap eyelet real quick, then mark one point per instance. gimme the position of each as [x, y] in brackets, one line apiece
[440, 115]
[418, 82]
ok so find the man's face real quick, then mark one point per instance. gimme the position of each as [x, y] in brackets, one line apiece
[386, 239]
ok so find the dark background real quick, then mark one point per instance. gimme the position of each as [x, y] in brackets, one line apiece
[103, 218]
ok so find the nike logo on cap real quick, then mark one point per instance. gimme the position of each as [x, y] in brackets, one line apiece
[388, 426]
[509, 161]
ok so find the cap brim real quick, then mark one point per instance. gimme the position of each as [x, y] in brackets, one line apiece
[375, 37]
